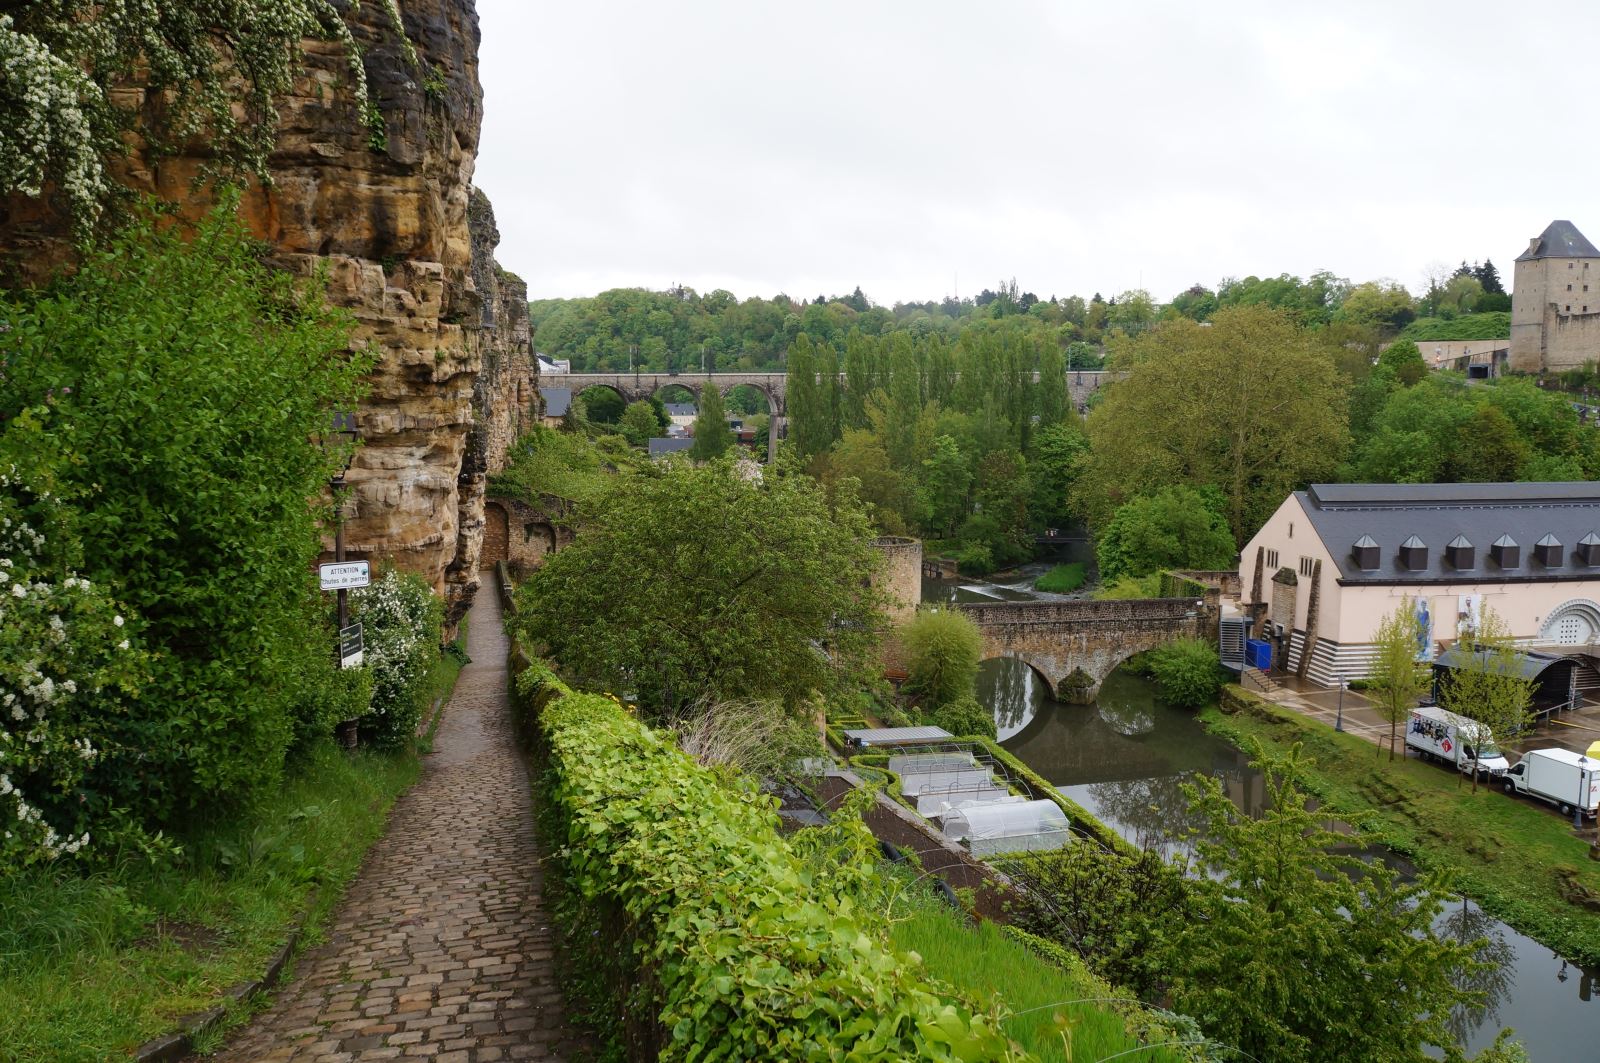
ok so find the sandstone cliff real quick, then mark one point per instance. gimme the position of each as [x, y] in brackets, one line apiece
[387, 212]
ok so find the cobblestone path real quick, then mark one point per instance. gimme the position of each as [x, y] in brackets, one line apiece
[442, 948]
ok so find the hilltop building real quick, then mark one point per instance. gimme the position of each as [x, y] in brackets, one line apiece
[1555, 302]
[1335, 559]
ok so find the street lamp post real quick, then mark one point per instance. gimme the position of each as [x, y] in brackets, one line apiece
[1338, 723]
[1583, 792]
[342, 432]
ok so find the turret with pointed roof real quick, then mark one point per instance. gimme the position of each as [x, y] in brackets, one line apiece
[1560, 239]
[1555, 302]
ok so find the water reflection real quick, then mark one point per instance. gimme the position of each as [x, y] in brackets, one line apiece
[1470, 925]
[1125, 760]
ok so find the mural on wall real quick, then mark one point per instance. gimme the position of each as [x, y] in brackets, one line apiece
[1469, 614]
[1424, 631]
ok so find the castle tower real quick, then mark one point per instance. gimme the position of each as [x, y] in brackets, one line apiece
[1555, 302]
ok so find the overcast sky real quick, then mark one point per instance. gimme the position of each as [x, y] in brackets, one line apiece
[920, 149]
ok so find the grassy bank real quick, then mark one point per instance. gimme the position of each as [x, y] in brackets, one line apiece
[989, 967]
[1520, 861]
[91, 966]
[1062, 579]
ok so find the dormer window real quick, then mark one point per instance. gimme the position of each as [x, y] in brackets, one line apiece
[1547, 551]
[1589, 550]
[1365, 553]
[1414, 554]
[1459, 554]
[1505, 552]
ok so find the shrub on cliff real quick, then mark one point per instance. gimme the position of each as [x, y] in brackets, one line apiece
[169, 394]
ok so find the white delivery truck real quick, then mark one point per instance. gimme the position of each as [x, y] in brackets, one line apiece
[1444, 736]
[1559, 776]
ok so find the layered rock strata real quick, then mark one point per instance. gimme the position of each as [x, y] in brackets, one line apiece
[385, 212]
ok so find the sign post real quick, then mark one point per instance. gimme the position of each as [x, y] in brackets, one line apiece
[351, 646]
[345, 576]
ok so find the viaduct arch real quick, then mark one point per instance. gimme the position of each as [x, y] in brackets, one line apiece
[1075, 645]
[636, 386]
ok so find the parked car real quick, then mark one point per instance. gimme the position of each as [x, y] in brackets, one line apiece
[1559, 776]
[1443, 736]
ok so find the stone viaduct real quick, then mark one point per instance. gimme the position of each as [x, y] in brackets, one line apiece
[1075, 645]
[638, 385]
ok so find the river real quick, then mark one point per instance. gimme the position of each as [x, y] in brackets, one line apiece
[1125, 757]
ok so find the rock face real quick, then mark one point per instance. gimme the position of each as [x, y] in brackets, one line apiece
[408, 249]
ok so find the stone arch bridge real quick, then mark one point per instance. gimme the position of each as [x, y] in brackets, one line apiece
[1075, 645]
[636, 386]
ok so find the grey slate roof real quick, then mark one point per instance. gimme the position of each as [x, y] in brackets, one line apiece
[557, 401]
[660, 446]
[1560, 239]
[680, 409]
[890, 736]
[1436, 513]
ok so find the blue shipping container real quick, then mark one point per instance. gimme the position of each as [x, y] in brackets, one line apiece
[1258, 654]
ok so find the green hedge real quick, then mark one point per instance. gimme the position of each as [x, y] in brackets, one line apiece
[738, 950]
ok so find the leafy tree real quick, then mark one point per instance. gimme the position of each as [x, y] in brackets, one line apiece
[1489, 278]
[172, 391]
[963, 717]
[1297, 949]
[1396, 679]
[602, 405]
[712, 436]
[1000, 522]
[1197, 303]
[1404, 361]
[1059, 454]
[401, 620]
[810, 414]
[1177, 527]
[942, 649]
[693, 582]
[860, 466]
[943, 486]
[1385, 305]
[1160, 425]
[1487, 683]
[639, 423]
[1188, 672]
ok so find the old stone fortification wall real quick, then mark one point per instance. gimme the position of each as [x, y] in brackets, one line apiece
[1075, 645]
[390, 222]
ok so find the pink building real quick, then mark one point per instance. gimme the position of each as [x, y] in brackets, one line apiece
[1335, 559]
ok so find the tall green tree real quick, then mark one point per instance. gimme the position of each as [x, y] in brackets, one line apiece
[1250, 403]
[1176, 527]
[1397, 679]
[1487, 683]
[172, 391]
[695, 582]
[639, 423]
[1297, 949]
[1052, 403]
[809, 408]
[943, 486]
[712, 436]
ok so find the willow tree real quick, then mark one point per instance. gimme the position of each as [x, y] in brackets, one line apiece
[1250, 403]
[217, 66]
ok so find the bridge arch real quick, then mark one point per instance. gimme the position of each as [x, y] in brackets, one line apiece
[1075, 645]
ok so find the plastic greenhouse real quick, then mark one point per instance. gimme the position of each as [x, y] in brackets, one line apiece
[1008, 827]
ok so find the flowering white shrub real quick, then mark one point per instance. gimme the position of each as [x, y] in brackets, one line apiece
[66, 660]
[401, 620]
[220, 65]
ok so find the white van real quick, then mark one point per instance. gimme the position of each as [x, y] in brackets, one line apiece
[1439, 735]
[1559, 776]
